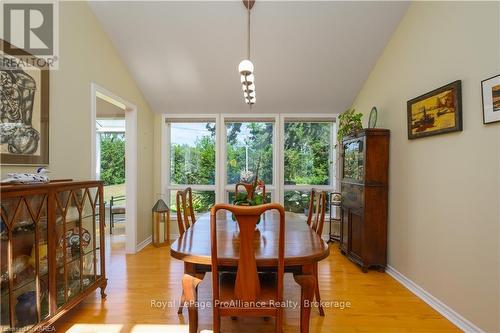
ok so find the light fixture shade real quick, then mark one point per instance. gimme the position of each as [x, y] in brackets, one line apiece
[247, 79]
[245, 67]
[249, 88]
[250, 100]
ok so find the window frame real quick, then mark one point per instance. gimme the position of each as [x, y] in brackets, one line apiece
[287, 118]
[166, 132]
[221, 188]
[259, 118]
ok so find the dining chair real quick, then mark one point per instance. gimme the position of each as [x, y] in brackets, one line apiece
[185, 219]
[116, 209]
[248, 189]
[316, 220]
[248, 292]
[185, 210]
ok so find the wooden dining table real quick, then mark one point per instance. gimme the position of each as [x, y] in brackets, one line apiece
[303, 249]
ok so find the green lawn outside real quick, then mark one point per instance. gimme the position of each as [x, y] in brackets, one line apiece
[113, 190]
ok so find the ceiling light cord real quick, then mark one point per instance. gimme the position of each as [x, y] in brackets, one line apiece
[248, 40]
[246, 67]
[248, 35]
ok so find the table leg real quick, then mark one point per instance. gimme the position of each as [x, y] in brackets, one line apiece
[306, 280]
[190, 282]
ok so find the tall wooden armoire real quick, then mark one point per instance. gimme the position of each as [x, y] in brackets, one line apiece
[364, 187]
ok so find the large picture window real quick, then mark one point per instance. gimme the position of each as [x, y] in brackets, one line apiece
[307, 151]
[209, 154]
[308, 162]
[247, 143]
[192, 162]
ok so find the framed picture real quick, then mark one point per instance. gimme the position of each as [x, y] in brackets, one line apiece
[437, 112]
[24, 108]
[491, 99]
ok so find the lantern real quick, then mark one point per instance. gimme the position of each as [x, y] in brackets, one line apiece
[161, 224]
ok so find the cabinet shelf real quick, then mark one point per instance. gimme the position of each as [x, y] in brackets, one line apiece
[23, 284]
[76, 258]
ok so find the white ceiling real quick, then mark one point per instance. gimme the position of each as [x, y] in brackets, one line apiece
[309, 57]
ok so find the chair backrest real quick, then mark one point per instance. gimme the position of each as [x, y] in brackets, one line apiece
[247, 286]
[185, 210]
[248, 188]
[317, 209]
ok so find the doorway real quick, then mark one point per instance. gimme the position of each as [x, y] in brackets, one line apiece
[110, 166]
[114, 161]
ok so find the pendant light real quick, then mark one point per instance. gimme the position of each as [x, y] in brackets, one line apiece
[246, 68]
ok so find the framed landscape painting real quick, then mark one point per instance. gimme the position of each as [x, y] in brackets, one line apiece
[491, 99]
[24, 109]
[437, 112]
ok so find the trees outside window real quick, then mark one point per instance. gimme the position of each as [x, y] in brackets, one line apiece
[308, 159]
[306, 151]
[112, 158]
[192, 162]
[246, 143]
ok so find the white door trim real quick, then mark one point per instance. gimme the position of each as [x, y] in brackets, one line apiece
[130, 160]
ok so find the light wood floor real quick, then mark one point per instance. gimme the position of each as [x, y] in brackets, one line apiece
[378, 302]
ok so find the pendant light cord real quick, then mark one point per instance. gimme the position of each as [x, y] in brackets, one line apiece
[248, 39]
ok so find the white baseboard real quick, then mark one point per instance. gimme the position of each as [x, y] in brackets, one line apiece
[435, 303]
[143, 244]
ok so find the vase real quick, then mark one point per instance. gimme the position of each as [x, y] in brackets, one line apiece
[243, 204]
[26, 309]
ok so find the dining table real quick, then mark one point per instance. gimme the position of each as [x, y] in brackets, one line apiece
[303, 250]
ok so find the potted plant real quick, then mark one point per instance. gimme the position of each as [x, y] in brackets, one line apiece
[251, 198]
[349, 122]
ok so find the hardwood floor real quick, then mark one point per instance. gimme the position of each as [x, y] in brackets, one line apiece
[378, 302]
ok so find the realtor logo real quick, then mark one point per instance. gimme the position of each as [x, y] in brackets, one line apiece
[31, 27]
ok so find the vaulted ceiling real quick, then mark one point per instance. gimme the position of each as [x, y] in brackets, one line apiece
[309, 57]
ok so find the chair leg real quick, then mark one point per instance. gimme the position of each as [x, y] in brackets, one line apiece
[216, 321]
[190, 287]
[181, 305]
[111, 223]
[279, 322]
[316, 291]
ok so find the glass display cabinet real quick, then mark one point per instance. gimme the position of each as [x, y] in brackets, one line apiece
[52, 250]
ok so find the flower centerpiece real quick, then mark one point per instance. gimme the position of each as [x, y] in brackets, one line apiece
[251, 197]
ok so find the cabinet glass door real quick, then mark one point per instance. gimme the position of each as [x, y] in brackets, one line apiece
[24, 235]
[354, 160]
[88, 244]
[7, 207]
[78, 250]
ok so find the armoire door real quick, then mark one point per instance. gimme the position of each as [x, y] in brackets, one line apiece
[356, 232]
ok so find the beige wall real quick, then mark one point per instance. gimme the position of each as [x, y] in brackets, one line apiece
[444, 190]
[86, 56]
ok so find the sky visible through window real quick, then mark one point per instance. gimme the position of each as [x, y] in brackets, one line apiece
[188, 133]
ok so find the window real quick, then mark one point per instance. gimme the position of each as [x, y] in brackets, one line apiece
[209, 154]
[308, 162]
[247, 143]
[192, 162]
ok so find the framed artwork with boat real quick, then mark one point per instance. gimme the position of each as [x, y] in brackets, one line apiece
[436, 112]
